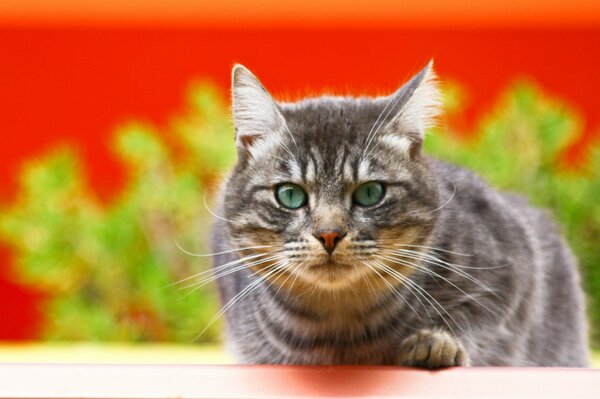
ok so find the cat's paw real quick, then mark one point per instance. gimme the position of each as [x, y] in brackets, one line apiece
[432, 350]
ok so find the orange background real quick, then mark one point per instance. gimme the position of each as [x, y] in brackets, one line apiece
[307, 13]
[71, 73]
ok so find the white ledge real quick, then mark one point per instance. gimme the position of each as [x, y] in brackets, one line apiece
[195, 381]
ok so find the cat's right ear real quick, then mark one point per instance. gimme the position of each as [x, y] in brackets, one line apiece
[255, 113]
[414, 108]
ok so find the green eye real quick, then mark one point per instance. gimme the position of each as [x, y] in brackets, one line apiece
[291, 195]
[368, 194]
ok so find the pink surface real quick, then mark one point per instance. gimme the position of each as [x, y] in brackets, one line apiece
[112, 381]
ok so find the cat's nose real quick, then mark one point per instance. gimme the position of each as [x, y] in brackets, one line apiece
[329, 239]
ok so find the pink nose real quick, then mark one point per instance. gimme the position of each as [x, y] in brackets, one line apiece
[329, 239]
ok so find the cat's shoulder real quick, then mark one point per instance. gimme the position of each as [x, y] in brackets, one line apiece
[449, 175]
[470, 187]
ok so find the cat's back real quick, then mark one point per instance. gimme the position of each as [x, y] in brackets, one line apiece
[541, 277]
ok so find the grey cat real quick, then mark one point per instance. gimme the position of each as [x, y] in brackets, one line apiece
[339, 242]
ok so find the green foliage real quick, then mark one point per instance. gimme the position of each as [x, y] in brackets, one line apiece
[109, 269]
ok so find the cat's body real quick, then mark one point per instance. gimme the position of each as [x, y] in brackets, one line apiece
[441, 271]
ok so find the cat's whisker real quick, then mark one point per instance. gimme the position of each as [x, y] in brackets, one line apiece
[416, 293]
[375, 155]
[298, 266]
[374, 269]
[220, 253]
[213, 213]
[246, 291]
[334, 295]
[354, 291]
[417, 212]
[365, 277]
[217, 268]
[381, 124]
[431, 248]
[217, 276]
[387, 114]
[282, 143]
[411, 289]
[429, 255]
[290, 273]
[276, 279]
[418, 299]
[448, 266]
[432, 273]
[368, 139]
[315, 290]
[406, 249]
[424, 293]
[292, 137]
[196, 288]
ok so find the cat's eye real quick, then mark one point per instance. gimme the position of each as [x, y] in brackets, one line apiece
[368, 194]
[291, 195]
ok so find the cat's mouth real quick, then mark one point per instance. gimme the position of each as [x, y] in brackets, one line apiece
[329, 265]
[330, 274]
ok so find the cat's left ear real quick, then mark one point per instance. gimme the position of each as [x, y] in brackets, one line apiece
[414, 107]
[255, 113]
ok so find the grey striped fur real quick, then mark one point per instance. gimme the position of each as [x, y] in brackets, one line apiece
[443, 255]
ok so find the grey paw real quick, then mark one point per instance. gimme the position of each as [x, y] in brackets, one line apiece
[432, 350]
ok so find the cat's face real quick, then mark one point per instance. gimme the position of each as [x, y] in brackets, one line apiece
[324, 188]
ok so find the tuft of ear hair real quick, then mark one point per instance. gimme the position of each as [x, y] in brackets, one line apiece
[255, 113]
[416, 104]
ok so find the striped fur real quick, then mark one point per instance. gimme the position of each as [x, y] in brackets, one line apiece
[442, 255]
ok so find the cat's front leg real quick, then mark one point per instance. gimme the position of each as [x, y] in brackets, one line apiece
[432, 350]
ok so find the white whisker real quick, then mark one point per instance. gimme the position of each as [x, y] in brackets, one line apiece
[438, 208]
[369, 138]
[448, 266]
[217, 268]
[392, 288]
[292, 137]
[432, 248]
[433, 273]
[251, 287]
[219, 253]
[217, 276]
[433, 258]
[214, 214]
[425, 294]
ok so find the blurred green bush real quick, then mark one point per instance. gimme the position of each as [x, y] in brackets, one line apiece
[109, 269]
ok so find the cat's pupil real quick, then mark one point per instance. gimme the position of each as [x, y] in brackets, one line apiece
[291, 196]
[368, 194]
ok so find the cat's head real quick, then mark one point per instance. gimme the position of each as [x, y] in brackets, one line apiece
[325, 188]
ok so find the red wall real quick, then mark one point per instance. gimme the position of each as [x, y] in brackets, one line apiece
[74, 84]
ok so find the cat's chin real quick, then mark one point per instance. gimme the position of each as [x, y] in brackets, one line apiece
[331, 275]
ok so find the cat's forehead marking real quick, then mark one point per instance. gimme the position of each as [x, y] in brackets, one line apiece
[348, 171]
[340, 160]
[399, 143]
[314, 164]
[364, 170]
[294, 169]
[264, 148]
[391, 170]
[311, 173]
